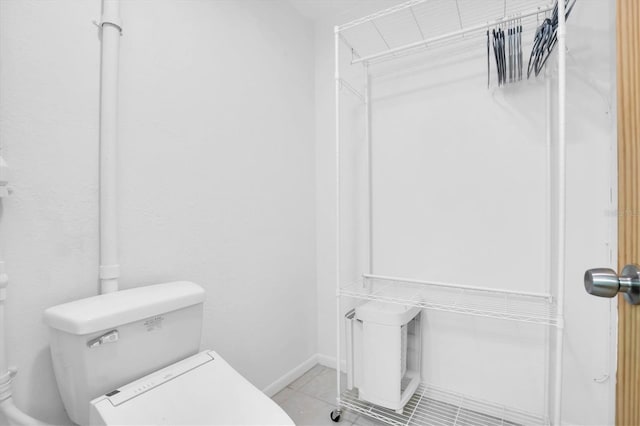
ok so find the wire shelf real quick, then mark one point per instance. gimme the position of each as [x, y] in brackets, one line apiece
[434, 406]
[536, 308]
[418, 24]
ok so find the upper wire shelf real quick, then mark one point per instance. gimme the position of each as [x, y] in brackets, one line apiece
[418, 24]
[521, 306]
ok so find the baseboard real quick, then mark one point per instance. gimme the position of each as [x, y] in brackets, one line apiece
[330, 361]
[290, 376]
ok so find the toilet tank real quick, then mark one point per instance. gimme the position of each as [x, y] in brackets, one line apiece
[101, 343]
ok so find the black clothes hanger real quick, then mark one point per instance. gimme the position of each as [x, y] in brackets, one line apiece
[545, 39]
[488, 60]
[496, 48]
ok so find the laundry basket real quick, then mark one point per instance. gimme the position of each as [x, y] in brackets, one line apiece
[383, 352]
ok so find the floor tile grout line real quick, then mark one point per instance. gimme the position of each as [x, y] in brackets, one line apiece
[300, 390]
[307, 395]
[310, 376]
[300, 393]
[357, 416]
[313, 396]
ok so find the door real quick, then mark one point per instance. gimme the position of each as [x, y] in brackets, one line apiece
[628, 72]
[607, 283]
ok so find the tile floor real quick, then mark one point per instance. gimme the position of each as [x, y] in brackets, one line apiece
[310, 399]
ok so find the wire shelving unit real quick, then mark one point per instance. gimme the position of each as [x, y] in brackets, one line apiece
[528, 307]
[408, 29]
[431, 405]
[417, 25]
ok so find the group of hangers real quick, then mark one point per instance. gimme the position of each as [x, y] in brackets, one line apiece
[506, 39]
[507, 50]
[545, 39]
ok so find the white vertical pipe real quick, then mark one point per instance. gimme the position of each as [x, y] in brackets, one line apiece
[109, 268]
[367, 118]
[562, 32]
[13, 414]
[337, 120]
[17, 417]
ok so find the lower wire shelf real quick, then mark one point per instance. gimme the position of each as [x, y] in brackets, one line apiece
[433, 406]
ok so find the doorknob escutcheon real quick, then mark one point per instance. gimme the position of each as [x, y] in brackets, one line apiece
[605, 282]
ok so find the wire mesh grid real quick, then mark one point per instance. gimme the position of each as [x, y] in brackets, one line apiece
[434, 406]
[377, 37]
[492, 303]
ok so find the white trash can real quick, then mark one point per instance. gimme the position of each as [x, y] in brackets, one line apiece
[387, 367]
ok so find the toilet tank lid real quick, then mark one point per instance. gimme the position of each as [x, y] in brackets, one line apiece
[111, 310]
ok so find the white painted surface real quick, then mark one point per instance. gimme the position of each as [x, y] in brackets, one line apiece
[460, 175]
[216, 173]
[110, 34]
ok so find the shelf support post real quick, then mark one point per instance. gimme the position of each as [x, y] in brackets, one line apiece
[549, 259]
[367, 129]
[561, 210]
[337, 218]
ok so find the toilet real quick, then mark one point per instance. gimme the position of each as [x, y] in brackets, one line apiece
[132, 358]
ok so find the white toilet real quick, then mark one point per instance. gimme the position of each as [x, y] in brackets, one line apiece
[131, 357]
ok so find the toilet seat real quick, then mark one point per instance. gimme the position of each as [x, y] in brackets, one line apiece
[199, 390]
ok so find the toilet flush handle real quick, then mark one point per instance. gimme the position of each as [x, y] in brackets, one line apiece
[108, 337]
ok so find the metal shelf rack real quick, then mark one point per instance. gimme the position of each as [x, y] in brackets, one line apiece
[431, 405]
[417, 25]
[409, 29]
[528, 307]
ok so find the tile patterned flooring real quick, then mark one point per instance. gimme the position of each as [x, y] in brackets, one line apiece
[310, 399]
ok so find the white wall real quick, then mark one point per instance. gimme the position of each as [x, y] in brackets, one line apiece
[216, 173]
[460, 197]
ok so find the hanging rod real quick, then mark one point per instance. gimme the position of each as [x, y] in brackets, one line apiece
[464, 31]
[460, 286]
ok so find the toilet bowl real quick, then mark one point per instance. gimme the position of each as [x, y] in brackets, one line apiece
[200, 390]
[131, 357]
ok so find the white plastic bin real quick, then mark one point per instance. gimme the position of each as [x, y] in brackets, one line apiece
[383, 352]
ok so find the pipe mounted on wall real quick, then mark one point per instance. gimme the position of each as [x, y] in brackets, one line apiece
[8, 408]
[109, 268]
[111, 31]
